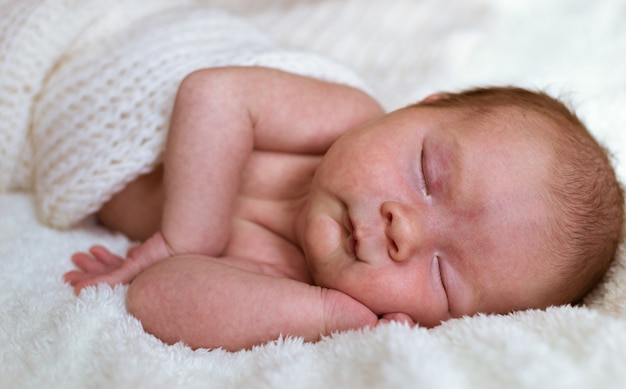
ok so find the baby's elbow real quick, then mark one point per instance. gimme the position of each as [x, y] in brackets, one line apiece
[145, 301]
[137, 298]
[205, 84]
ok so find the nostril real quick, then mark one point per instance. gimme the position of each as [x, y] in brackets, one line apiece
[389, 217]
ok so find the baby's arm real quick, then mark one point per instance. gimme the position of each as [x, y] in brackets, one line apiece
[220, 115]
[227, 303]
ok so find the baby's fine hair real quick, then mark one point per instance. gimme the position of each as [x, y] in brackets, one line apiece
[582, 188]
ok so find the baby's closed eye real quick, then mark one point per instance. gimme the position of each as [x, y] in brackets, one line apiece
[423, 178]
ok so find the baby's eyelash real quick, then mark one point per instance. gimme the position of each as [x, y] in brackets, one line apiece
[423, 174]
[443, 284]
[441, 276]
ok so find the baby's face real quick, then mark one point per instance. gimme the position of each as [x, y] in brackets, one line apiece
[432, 214]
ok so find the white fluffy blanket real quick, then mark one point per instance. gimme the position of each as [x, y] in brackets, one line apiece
[404, 49]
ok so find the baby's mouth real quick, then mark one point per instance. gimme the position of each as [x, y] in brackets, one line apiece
[352, 245]
[351, 240]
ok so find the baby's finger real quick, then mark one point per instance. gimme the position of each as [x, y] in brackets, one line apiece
[116, 277]
[88, 264]
[71, 276]
[382, 321]
[132, 250]
[82, 284]
[75, 276]
[103, 255]
[398, 317]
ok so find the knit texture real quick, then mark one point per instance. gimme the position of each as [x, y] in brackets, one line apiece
[89, 110]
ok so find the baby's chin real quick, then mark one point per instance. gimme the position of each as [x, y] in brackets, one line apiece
[322, 241]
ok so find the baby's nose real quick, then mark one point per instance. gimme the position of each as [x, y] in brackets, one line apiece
[403, 228]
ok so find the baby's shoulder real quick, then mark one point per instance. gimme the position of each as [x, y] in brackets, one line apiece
[278, 176]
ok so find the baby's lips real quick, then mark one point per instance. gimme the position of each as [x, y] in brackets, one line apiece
[350, 241]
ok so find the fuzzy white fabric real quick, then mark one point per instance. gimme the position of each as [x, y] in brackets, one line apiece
[405, 49]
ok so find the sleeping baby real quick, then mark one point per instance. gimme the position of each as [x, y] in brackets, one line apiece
[287, 205]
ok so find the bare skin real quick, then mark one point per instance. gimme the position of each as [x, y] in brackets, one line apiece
[292, 206]
[259, 167]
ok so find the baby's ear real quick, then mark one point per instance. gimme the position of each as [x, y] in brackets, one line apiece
[435, 97]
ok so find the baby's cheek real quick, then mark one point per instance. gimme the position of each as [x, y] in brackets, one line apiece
[322, 241]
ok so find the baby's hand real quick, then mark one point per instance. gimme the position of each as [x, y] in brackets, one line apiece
[101, 266]
[342, 312]
[397, 317]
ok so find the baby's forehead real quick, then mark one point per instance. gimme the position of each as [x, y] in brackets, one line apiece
[515, 119]
[506, 125]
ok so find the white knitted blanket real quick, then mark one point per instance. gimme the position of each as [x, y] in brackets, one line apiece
[87, 88]
[404, 49]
